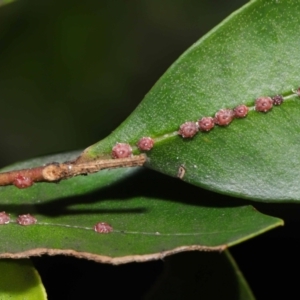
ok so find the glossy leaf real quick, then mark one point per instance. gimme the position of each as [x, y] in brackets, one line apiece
[20, 281]
[201, 276]
[148, 222]
[253, 53]
[3, 2]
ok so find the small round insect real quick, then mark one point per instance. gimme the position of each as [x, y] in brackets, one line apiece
[26, 220]
[103, 227]
[188, 129]
[277, 100]
[121, 150]
[206, 124]
[22, 182]
[241, 111]
[4, 218]
[224, 117]
[263, 104]
[145, 144]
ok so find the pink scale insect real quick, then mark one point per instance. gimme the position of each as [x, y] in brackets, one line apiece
[277, 100]
[4, 218]
[188, 129]
[22, 182]
[241, 111]
[206, 124]
[121, 150]
[145, 143]
[263, 104]
[26, 220]
[224, 117]
[103, 227]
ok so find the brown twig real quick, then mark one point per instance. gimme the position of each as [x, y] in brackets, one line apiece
[57, 171]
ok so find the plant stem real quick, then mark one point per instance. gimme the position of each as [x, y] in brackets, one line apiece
[57, 171]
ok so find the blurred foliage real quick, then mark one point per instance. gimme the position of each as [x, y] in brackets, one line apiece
[2, 2]
[19, 280]
[71, 71]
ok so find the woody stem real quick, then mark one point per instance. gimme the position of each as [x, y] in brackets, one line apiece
[57, 171]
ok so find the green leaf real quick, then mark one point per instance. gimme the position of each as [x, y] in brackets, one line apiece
[148, 222]
[20, 281]
[253, 53]
[3, 2]
[195, 275]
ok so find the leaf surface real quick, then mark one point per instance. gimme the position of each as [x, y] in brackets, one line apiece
[253, 53]
[201, 276]
[148, 222]
[3, 2]
[20, 281]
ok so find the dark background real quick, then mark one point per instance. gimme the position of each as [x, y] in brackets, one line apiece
[71, 72]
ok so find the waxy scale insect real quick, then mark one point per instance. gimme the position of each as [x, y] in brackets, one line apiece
[4, 218]
[277, 100]
[22, 182]
[224, 117]
[188, 129]
[206, 124]
[26, 220]
[103, 227]
[145, 144]
[121, 150]
[263, 104]
[241, 111]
